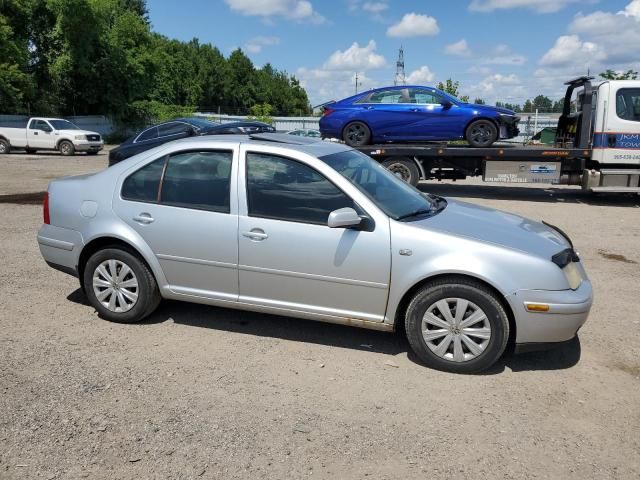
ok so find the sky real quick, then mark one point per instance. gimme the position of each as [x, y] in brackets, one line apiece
[499, 50]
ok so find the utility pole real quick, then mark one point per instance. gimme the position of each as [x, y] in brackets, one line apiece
[358, 84]
[400, 77]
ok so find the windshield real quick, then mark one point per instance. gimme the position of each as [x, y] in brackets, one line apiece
[63, 125]
[396, 198]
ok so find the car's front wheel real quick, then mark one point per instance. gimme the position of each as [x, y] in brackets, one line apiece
[457, 325]
[66, 148]
[356, 134]
[482, 133]
[120, 286]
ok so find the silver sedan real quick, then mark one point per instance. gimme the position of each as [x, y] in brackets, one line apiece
[313, 230]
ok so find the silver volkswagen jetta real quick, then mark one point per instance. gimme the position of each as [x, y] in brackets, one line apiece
[313, 230]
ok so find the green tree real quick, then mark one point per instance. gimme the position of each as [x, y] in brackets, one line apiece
[543, 103]
[15, 84]
[479, 101]
[528, 106]
[261, 112]
[613, 75]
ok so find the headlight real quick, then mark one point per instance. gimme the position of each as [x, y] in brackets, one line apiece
[572, 273]
[80, 137]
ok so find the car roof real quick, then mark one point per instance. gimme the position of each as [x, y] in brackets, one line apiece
[316, 148]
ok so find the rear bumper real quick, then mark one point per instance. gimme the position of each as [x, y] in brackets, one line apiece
[568, 310]
[60, 248]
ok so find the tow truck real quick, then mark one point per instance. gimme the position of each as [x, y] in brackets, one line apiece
[597, 146]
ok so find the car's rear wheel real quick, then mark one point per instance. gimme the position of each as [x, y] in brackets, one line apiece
[482, 133]
[404, 169]
[5, 146]
[120, 286]
[457, 325]
[66, 148]
[356, 134]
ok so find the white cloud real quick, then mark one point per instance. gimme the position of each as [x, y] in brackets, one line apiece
[569, 49]
[502, 55]
[421, 75]
[374, 7]
[541, 6]
[324, 85]
[617, 33]
[459, 49]
[414, 25]
[493, 87]
[256, 44]
[356, 58]
[291, 9]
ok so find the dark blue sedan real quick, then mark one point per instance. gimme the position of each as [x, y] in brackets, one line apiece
[414, 114]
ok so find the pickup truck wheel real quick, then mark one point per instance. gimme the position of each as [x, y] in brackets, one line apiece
[5, 146]
[120, 286]
[404, 169]
[481, 133]
[66, 148]
[457, 325]
[356, 134]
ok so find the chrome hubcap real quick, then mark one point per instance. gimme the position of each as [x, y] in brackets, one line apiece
[65, 148]
[3, 147]
[115, 286]
[456, 329]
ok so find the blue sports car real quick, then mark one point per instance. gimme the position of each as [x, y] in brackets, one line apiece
[414, 113]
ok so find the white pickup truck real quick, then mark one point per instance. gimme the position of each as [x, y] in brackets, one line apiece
[50, 134]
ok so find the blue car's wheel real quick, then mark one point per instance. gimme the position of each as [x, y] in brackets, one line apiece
[356, 134]
[481, 133]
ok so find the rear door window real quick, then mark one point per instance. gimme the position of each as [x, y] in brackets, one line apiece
[425, 97]
[142, 185]
[390, 96]
[198, 179]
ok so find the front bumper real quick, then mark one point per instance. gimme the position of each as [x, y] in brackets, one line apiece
[60, 247]
[86, 146]
[509, 127]
[568, 310]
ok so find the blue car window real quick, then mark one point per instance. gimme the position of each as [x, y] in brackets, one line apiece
[389, 96]
[424, 96]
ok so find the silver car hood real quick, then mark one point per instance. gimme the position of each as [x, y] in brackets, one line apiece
[496, 227]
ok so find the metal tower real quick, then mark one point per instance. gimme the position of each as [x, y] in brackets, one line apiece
[400, 77]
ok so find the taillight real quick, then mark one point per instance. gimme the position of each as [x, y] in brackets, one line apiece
[45, 209]
[327, 111]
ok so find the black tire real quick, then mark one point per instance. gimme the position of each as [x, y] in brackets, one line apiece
[403, 168]
[66, 148]
[479, 296]
[356, 134]
[148, 295]
[30, 151]
[481, 133]
[5, 146]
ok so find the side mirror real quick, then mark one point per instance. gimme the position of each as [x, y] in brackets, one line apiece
[46, 129]
[446, 103]
[344, 218]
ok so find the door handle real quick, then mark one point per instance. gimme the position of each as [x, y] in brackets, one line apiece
[256, 234]
[368, 108]
[144, 218]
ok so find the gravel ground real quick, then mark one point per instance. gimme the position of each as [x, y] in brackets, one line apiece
[202, 392]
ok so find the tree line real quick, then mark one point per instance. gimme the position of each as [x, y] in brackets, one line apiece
[100, 57]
